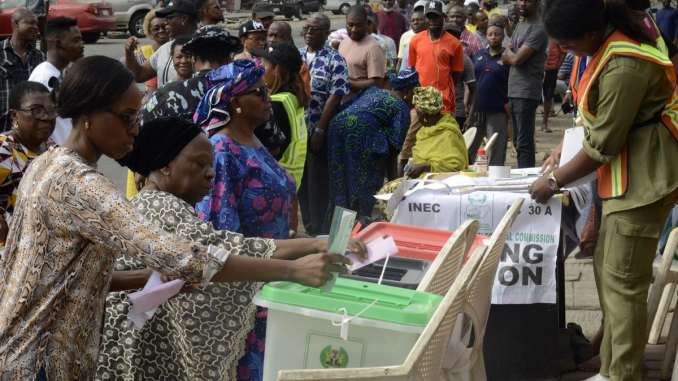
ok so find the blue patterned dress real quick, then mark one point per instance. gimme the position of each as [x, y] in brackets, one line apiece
[360, 137]
[252, 194]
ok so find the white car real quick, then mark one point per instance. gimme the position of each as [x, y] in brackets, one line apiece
[130, 15]
[340, 6]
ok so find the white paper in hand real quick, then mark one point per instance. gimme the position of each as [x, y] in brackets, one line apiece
[573, 142]
[377, 250]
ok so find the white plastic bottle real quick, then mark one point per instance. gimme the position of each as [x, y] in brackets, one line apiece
[481, 163]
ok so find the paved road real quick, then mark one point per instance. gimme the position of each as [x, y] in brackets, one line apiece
[114, 47]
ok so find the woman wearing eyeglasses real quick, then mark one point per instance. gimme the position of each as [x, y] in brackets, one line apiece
[32, 111]
[252, 194]
[492, 77]
[253, 36]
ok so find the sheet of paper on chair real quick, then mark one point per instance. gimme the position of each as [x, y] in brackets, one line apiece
[377, 250]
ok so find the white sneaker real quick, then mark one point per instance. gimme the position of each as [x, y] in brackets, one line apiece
[598, 377]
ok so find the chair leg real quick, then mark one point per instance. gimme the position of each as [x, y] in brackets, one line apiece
[478, 369]
[662, 311]
[670, 349]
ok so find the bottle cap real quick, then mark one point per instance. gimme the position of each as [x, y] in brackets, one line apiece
[481, 152]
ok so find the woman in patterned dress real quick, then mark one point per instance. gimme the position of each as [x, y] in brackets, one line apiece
[70, 223]
[252, 193]
[32, 110]
[198, 336]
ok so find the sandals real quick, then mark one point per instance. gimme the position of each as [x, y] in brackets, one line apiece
[545, 128]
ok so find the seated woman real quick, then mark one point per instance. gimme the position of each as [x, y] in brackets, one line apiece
[282, 63]
[32, 109]
[440, 146]
[198, 336]
[252, 194]
[183, 63]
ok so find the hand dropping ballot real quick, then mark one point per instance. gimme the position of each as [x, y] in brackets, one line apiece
[377, 250]
[146, 301]
[340, 233]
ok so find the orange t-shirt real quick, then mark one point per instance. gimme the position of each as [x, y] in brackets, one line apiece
[554, 56]
[448, 55]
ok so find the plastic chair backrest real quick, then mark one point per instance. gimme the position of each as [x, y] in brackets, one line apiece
[425, 360]
[445, 267]
[490, 142]
[479, 296]
[469, 135]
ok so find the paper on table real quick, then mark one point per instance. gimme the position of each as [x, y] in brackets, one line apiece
[376, 250]
[573, 141]
[146, 301]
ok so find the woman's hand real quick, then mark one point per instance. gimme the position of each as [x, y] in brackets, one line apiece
[131, 44]
[358, 247]
[540, 191]
[315, 270]
[417, 169]
[554, 160]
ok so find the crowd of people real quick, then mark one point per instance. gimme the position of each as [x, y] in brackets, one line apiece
[229, 138]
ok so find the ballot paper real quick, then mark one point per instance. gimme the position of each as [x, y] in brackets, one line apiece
[573, 141]
[377, 250]
[340, 233]
[146, 301]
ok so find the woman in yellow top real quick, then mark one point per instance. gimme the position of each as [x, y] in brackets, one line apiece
[624, 88]
[32, 111]
[440, 146]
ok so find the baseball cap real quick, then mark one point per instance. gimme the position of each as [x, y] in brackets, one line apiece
[181, 6]
[262, 11]
[454, 28]
[283, 53]
[251, 26]
[435, 7]
[420, 3]
[212, 34]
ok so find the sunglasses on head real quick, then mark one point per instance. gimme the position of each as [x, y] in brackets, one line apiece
[131, 120]
[497, 24]
[263, 92]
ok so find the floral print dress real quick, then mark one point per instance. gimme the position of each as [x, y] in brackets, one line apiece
[252, 195]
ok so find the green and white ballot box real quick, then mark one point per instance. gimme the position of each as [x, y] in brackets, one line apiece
[356, 325]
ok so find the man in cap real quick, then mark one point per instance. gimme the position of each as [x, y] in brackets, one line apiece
[209, 12]
[437, 56]
[253, 35]
[261, 13]
[181, 18]
[364, 57]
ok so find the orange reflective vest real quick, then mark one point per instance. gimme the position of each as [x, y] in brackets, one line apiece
[613, 176]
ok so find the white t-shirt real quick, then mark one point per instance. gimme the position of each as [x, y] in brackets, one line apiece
[42, 73]
[163, 64]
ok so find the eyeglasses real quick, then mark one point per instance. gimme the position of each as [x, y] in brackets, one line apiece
[263, 92]
[157, 29]
[132, 120]
[39, 112]
[258, 40]
[311, 30]
[215, 6]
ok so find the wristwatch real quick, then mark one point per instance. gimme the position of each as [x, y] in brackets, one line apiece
[552, 182]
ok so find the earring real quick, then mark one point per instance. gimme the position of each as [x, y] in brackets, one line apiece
[15, 125]
[183, 23]
[404, 97]
[238, 110]
[87, 125]
[425, 120]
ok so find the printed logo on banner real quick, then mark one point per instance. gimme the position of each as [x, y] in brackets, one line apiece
[478, 206]
[333, 358]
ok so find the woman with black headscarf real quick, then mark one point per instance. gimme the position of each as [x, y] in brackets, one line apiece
[199, 335]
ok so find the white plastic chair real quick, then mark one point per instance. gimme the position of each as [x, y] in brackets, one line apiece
[490, 141]
[446, 266]
[424, 363]
[479, 297]
[661, 294]
[469, 135]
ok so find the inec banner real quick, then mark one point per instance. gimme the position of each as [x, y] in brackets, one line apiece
[527, 271]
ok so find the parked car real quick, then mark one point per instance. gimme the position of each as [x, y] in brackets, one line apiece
[94, 17]
[130, 15]
[294, 8]
[340, 6]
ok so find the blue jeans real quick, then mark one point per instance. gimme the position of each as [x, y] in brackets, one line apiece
[42, 376]
[523, 116]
